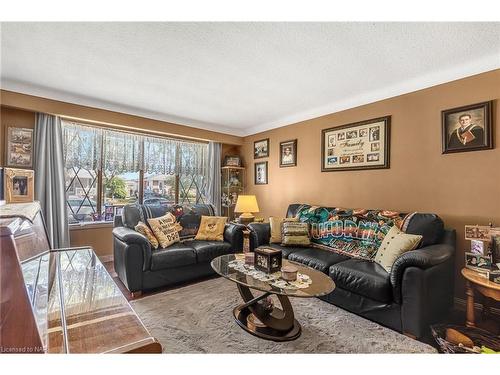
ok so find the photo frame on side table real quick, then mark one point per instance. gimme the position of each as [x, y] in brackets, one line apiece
[356, 146]
[467, 128]
[260, 173]
[19, 185]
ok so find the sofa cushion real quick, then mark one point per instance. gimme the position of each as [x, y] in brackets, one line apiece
[146, 231]
[211, 228]
[276, 225]
[206, 251]
[395, 243]
[429, 226]
[165, 228]
[177, 255]
[363, 277]
[317, 258]
[285, 250]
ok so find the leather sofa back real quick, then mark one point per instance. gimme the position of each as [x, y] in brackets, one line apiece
[428, 225]
[189, 217]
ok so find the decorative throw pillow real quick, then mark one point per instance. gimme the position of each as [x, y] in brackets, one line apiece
[295, 234]
[276, 224]
[165, 229]
[143, 229]
[211, 228]
[395, 243]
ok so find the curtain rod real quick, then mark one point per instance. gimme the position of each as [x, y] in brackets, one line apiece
[130, 130]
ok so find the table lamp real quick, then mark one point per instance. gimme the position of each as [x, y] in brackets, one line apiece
[247, 205]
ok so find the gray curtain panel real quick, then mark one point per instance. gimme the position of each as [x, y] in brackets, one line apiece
[214, 175]
[49, 178]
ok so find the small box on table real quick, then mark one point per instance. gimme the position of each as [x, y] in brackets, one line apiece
[267, 259]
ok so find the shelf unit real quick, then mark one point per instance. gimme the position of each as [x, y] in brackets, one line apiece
[232, 185]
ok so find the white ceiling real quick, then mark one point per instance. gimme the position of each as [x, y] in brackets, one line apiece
[239, 78]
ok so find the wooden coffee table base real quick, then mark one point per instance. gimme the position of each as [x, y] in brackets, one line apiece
[272, 323]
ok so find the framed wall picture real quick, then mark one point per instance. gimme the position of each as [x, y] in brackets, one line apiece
[19, 185]
[19, 147]
[261, 149]
[467, 128]
[260, 173]
[356, 146]
[232, 161]
[288, 153]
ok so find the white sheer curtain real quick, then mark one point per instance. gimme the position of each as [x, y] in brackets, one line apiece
[125, 152]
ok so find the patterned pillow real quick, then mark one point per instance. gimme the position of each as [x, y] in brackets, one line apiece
[395, 243]
[143, 229]
[276, 224]
[211, 228]
[165, 229]
[295, 234]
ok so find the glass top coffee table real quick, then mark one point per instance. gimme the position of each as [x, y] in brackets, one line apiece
[258, 315]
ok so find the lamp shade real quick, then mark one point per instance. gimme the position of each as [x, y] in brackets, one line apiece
[246, 203]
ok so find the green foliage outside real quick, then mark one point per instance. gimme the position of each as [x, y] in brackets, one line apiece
[115, 188]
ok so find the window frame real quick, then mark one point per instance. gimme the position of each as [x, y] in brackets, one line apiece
[100, 175]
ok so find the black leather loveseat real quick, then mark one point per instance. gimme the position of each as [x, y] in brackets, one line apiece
[140, 267]
[417, 292]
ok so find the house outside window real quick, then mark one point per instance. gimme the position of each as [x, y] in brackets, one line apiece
[106, 169]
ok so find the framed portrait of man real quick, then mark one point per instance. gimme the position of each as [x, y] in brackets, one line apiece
[288, 153]
[467, 128]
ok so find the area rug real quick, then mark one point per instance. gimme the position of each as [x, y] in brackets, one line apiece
[198, 318]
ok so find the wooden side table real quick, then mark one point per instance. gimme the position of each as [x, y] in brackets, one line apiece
[477, 283]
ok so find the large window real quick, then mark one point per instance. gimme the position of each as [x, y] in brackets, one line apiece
[107, 169]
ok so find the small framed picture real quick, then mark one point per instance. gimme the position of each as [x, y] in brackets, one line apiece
[19, 147]
[477, 232]
[288, 153]
[467, 128]
[477, 247]
[260, 173]
[232, 161]
[261, 149]
[478, 262]
[19, 185]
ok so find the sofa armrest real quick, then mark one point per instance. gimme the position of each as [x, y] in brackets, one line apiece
[260, 233]
[423, 258]
[233, 233]
[131, 237]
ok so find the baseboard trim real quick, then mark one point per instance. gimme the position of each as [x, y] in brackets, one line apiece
[460, 305]
[106, 258]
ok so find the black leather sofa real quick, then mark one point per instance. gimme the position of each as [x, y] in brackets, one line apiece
[140, 267]
[416, 293]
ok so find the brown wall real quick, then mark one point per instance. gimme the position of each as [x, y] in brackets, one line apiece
[463, 188]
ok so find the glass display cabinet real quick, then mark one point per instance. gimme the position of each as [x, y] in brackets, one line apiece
[233, 184]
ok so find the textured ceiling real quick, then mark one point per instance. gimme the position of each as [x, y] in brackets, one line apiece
[239, 78]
